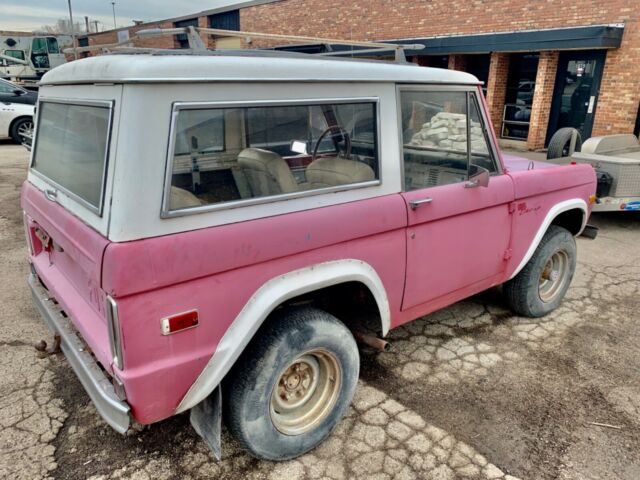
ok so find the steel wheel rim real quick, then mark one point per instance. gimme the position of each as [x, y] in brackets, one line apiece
[25, 129]
[553, 276]
[306, 391]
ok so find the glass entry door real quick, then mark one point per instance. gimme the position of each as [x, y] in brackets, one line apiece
[576, 91]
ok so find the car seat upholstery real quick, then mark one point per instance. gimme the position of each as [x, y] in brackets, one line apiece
[334, 171]
[266, 172]
[181, 198]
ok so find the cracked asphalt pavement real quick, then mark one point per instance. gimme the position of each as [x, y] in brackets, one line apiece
[472, 391]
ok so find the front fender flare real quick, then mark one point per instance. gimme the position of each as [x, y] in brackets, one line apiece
[557, 209]
[268, 297]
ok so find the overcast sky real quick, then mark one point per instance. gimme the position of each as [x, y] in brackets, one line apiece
[30, 15]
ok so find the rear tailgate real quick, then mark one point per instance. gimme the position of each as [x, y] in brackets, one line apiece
[67, 256]
[66, 200]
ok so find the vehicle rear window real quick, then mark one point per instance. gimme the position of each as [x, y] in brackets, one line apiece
[71, 148]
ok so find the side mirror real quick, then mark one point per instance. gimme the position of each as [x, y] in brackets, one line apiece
[298, 146]
[17, 92]
[478, 177]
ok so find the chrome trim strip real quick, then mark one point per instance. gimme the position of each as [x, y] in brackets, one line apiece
[109, 104]
[113, 325]
[166, 212]
[99, 388]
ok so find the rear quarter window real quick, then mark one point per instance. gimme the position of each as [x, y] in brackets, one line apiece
[71, 148]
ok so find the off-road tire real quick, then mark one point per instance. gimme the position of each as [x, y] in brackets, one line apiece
[248, 388]
[523, 291]
[17, 126]
[560, 142]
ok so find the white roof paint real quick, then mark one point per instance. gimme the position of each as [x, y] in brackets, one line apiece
[243, 65]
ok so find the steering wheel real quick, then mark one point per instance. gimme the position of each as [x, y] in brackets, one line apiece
[335, 130]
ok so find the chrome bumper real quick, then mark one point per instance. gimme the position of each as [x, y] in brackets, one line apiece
[114, 411]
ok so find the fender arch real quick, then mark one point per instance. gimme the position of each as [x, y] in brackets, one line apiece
[268, 297]
[552, 214]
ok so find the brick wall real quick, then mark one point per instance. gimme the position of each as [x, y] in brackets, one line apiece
[457, 62]
[391, 19]
[543, 94]
[497, 88]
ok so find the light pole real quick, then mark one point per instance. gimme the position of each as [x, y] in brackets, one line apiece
[113, 6]
[73, 33]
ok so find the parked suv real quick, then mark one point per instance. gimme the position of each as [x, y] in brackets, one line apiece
[197, 222]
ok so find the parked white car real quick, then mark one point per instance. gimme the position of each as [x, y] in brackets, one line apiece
[16, 121]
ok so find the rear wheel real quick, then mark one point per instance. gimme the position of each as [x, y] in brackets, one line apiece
[20, 128]
[541, 285]
[292, 385]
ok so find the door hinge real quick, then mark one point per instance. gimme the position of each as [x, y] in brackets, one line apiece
[507, 254]
[512, 207]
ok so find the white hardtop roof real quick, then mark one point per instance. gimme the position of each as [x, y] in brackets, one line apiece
[165, 66]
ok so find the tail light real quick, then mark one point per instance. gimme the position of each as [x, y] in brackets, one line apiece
[178, 322]
[113, 324]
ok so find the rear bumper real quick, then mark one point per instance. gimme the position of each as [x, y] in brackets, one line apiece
[100, 389]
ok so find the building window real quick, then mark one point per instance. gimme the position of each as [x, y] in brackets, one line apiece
[636, 130]
[226, 20]
[521, 83]
[83, 41]
[182, 39]
[478, 66]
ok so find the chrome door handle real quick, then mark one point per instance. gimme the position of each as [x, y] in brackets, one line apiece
[51, 195]
[416, 203]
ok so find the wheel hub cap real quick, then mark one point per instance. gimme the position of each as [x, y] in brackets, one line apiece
[306, 392]
[554, 276]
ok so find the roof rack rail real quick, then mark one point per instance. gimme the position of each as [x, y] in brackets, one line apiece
[197, 45]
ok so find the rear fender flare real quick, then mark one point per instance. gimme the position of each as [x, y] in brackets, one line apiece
[268, 297]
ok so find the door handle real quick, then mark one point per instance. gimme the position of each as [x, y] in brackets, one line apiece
[52, 195]
[416, 203]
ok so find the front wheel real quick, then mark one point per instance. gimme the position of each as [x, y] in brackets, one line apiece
[292, 385]
[541, 285]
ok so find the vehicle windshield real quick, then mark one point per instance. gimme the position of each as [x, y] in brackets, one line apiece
[71, 148]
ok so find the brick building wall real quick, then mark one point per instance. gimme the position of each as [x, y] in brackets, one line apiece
[619, 94]
[545, 82]
[497, 88]
[385, 19]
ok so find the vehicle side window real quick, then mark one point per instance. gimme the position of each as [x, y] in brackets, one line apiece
[442, 137]
[7, 87]
[230, 154]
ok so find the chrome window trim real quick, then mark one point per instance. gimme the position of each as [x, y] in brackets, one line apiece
[495, 154]
[109, 104]
[166, 212]
[430, 87]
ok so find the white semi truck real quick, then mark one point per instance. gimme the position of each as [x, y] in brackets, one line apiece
[24, 59]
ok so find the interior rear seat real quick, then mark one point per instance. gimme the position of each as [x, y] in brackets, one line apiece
[181, 198]
[335, 171]
[266, 172]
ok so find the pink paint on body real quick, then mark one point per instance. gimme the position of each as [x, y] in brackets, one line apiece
[463, 242]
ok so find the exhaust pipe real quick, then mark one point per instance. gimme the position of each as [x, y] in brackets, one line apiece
[371, 341]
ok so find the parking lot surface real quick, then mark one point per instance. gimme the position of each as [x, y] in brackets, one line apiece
[471, 391]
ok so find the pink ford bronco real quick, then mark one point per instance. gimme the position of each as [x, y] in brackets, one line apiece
[195, 223]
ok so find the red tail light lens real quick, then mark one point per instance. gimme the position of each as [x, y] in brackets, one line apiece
[180, 321]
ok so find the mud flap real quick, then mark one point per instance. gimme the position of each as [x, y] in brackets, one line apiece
[206, 420]
[590, 231]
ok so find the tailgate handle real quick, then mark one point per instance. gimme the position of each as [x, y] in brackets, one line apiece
[52, 195]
